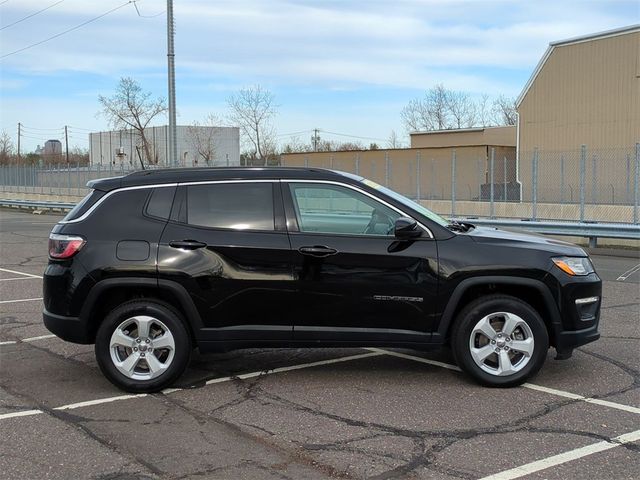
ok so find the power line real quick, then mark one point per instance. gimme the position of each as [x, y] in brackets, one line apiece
[42, 129]
[353, 136]
[31, 15]
[66, 31]
[294, 133]
[80, 128]
[146, 16]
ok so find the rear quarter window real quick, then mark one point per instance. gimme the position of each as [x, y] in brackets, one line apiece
[160, 202]
[84, 205]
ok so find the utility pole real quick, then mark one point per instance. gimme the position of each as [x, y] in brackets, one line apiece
[316, 137]
[173, 138]
[66, 145]
[18, 159]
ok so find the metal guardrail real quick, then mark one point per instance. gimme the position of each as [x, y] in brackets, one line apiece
[39, 205]
[570, 229]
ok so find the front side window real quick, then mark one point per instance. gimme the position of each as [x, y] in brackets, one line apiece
[326, 208]
[236, 206]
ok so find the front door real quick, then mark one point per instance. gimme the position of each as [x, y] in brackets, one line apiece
[356, 279]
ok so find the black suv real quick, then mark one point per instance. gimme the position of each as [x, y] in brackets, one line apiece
[150, 265]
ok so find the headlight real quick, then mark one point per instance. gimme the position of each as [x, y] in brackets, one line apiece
[574, 265]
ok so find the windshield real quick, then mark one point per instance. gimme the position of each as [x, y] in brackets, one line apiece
[407, 202]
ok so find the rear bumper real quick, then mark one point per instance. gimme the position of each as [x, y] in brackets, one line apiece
[71, 329]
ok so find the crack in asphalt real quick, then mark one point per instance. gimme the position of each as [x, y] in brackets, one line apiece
[291, 456]
[427, 444]
[75, 421]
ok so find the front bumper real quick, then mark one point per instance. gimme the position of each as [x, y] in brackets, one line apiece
[568, 340]
[581, 299]
[71, 329]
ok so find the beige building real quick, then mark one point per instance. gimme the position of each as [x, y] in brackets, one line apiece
[584, 91]
[425, 170]
[488, 136]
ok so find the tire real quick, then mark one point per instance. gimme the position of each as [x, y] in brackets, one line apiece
[143, 346]
[515, 329]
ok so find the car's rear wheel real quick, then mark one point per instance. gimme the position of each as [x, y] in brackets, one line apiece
[142, 346]
[500, 340]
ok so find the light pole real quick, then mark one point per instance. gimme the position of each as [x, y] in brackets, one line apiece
[173, 138]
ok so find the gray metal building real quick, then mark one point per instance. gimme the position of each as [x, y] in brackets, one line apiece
[197, 146]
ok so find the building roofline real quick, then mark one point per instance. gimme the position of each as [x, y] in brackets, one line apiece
[598, 35]
[571, 41]
[457, 130]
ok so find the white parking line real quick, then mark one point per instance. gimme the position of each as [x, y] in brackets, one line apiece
[99, 401]
[23, 413]
[21, 300]
[628, 273]
[41, 337]
[565, 457]
[552, 391]
[448, 366]
[30, 339]
[243, 376]
[17, 278]
[597, 401]
[20, 273]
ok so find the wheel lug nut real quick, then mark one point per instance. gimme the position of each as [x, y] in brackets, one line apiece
[493, 342]
[135, 349]
[142, 354]
[146, 341]
[137, 340]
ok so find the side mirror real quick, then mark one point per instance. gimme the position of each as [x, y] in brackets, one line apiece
[406, 228]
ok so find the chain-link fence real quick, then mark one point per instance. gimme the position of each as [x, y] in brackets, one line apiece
[55, 180]
[581, 184]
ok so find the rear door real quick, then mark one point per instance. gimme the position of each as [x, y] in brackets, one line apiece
[357, 281]
[227, 245]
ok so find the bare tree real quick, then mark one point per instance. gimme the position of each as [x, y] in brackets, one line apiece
[295, 145]
[428, 113]
[462, 109]
[505, 110]
[483, 111]
[6, 148]
[131, 107]
[394, 141]
[202, 137]
[252, 110]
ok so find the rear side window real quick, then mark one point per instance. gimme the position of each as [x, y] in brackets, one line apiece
[85, 204]
[236, 206]
[160, 202]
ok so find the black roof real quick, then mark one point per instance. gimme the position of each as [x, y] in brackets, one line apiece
[171, 175]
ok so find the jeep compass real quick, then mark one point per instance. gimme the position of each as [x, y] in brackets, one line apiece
[154, 264]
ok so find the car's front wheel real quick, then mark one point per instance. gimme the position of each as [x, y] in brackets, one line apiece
[500, 340]
[142, 346]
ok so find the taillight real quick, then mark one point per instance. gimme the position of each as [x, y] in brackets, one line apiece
[64, 246]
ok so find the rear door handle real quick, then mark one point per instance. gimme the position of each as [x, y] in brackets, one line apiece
[187, 244]
[318, 251]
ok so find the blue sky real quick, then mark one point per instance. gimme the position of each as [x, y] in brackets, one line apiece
[343, 66]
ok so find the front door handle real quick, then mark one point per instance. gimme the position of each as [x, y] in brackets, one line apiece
[318, 251]
[187, 244]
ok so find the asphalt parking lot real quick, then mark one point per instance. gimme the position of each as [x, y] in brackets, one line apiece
[306, 414]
